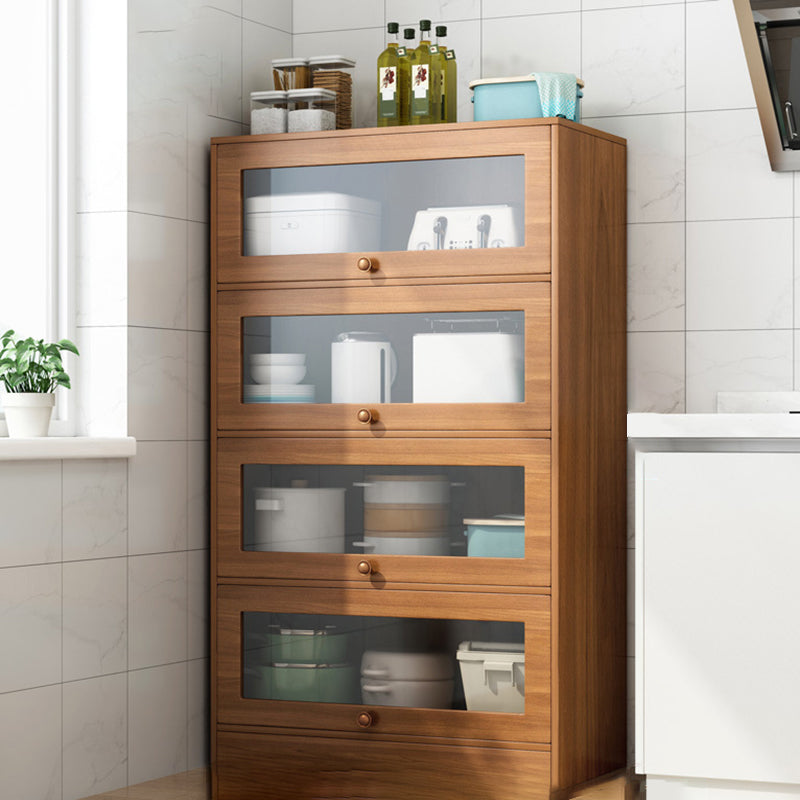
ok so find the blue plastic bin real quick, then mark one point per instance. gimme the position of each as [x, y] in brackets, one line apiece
[511, 98]
[498, 537]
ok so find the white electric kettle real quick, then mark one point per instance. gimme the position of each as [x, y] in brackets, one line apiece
[363, 368]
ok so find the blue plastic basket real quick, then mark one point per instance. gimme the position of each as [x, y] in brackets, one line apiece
[511, 98]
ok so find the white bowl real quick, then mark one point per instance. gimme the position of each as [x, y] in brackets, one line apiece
[277, 359]
[278, 373]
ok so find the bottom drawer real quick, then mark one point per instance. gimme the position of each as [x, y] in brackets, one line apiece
[251, 766]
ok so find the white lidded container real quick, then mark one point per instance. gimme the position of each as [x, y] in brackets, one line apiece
[269, 112]
[299, 520]
[493, 674]
[311, 109]
[310, 222]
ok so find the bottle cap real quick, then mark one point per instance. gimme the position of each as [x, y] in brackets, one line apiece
[424, 24]
[393, 27]
[441, 30]
[409, 33]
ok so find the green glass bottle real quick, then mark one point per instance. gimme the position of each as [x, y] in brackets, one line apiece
[390, 110]
[426, 100]
[407, 54]
[449, 78]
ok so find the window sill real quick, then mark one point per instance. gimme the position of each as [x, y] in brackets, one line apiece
[62, 447]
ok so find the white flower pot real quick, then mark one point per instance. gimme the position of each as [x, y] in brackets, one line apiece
[28, 413]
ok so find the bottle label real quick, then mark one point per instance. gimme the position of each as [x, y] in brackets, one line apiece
[450, 55]
[420, 88]
[434, 49]
[402, 52]
[387, 92]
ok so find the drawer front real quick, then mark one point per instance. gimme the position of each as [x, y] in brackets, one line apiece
[390, 662]
[292, 209]
[318, 509]
[371, 361]
[269, 767]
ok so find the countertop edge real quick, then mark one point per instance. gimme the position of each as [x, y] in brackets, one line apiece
[713, 426]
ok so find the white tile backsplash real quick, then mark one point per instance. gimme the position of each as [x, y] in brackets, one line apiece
[198, 477]
[657, 372]
[275, 13]
[158, 494]
[95, 736]
[198, 603]
[739, 274]
[157, 609]
[538, 43]
[517, 8]
[30, 499]
[157, 722]
[716, 70]
[311, 16]
[30, 627]
[727, 170]
[633, 60]
[30, 744]
[409, 12]
[735, 361]
[656, 277]
[95, 618]
[198, 693]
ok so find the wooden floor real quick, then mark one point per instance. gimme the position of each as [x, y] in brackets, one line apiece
[192, 785]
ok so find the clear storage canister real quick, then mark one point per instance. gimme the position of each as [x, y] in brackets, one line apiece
[268, 112]
[312, 110]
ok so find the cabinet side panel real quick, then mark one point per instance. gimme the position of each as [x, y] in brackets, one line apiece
[262, 767]
[589, 579]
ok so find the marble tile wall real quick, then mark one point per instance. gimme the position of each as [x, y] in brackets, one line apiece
[104, 564]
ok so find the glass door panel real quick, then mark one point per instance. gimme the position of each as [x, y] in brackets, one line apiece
[411, 662]
[468, 357]
[415, 204]
[434, 357]
[443, 204]
[423, 511]
[384, 510]
[468, 665]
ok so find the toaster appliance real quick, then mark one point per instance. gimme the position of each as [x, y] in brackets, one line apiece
[464, 227]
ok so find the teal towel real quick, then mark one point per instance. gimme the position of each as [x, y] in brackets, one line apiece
[558, 93]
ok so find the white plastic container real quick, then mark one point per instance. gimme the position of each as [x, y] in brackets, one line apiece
[268, 112]
[414, 680]
[311, 109]
[310, 222]
[493, 674]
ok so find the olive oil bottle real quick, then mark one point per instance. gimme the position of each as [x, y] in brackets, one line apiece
[426, 101]
[390, 98]
[407, 54]
[449, 78]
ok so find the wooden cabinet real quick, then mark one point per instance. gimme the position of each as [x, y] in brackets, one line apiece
[418, 411]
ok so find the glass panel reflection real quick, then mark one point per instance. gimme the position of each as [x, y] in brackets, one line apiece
[472, 665]
[422, 511]
[461, 203]
[463, 357]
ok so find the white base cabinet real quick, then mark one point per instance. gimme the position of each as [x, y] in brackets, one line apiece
[718, 623]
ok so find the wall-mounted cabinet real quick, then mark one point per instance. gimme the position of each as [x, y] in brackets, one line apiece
[419, 461]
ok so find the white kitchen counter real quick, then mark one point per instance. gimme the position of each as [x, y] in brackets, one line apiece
[714, 426]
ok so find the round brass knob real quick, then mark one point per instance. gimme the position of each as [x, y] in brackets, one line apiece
[364, 567]
[365, 719]
[366, 265]
[366, 416]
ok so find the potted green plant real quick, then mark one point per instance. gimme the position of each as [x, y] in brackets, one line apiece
[31, 370]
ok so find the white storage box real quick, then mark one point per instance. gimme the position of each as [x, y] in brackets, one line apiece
[315, 222]
[493, 674]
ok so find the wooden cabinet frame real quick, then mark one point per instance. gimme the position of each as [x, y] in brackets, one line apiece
[531, 454]
[532, 610]
[533, 414]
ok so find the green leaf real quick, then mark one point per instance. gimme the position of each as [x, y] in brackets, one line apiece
[66, 344]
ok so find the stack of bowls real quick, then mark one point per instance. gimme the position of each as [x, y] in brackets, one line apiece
[415, 680]
[406, 515]
[276, 379]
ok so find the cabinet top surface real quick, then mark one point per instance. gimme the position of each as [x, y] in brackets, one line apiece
[406, 130]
